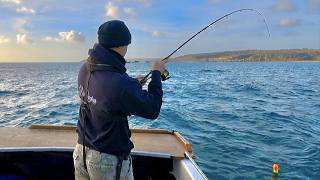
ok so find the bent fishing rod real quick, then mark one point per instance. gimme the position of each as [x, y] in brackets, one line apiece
[165, 75]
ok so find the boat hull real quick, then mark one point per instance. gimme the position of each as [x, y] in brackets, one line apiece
[46, 153]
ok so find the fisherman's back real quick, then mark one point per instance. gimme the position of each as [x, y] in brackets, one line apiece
[107, 130]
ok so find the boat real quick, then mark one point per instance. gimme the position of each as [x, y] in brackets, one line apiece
[45, 152]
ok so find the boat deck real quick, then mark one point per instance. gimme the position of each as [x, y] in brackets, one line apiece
[156, 141]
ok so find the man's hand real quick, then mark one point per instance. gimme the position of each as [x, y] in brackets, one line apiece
[159, 66]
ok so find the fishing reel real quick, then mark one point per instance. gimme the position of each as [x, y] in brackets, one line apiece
[165, 75]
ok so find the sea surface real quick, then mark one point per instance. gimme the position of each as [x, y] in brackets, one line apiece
[240, 117]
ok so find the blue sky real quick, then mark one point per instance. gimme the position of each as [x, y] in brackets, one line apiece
[50, 30]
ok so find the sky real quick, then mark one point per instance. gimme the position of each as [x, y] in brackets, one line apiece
[55, 31]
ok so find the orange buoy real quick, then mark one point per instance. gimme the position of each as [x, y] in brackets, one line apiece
[275, 168]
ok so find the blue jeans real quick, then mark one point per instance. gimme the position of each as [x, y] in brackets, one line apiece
[100, 166]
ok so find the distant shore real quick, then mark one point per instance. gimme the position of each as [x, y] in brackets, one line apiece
[255, 56]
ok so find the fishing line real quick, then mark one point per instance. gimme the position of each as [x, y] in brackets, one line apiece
[165, 74]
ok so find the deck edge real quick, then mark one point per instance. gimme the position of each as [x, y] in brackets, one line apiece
[177, 135]
[187, 145]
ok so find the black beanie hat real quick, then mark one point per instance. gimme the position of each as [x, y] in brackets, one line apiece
[114, 34]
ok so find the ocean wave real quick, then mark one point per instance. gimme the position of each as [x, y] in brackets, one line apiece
[240, 117]
[205, 71]
[247, 88]
[5, 92]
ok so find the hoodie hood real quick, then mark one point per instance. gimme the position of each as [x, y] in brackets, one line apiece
[108, 57]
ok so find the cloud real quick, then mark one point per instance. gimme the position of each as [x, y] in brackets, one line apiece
[283, 6]
[129, 11]
[112, 10]
[156, 34]
[288, 22]
[17, 2]
[4, 40]
[18, 24]
[51, 39]
[25, 10]
[71, 36]
[153, 32]
[23, 39]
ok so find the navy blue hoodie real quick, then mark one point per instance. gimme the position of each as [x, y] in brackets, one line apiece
[113, 96]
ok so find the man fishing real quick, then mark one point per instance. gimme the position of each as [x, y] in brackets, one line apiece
[108, 96]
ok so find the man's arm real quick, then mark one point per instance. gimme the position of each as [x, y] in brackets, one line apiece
[147, 104]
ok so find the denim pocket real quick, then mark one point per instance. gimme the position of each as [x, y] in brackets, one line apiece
[93, 159]
[108, 161]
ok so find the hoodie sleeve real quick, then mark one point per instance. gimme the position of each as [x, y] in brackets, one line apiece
[147, 104]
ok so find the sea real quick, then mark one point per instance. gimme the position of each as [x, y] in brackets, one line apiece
[241, 117]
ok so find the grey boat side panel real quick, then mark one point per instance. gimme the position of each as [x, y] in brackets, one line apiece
[187, 169]
[70, 149]
[195, 165]
[39, 163]
[36, 149]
